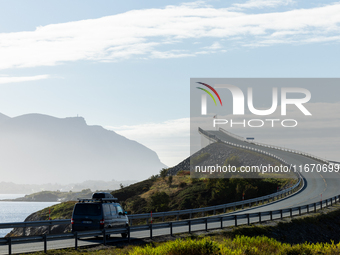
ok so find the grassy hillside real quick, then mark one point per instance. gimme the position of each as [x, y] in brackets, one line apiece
[182, 192]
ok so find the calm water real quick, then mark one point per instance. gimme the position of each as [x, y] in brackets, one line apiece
[18, 211]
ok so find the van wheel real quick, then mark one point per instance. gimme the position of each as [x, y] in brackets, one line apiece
[124, 235]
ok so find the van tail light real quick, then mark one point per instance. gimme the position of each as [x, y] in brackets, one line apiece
[102, 222]
[72, 221]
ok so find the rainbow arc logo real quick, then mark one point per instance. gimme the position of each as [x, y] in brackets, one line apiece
[209, 93]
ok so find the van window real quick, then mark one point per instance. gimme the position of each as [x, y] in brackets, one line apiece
[113, 210]
[107, 210]
[88, 209]
[119, 209]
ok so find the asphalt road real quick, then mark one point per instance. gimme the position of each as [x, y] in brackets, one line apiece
[317, 184]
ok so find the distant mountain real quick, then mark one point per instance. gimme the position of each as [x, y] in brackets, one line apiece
[36, 148]
[3, 118]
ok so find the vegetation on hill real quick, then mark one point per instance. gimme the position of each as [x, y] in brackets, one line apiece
[155, 194]
[55, 196]
[183, 192]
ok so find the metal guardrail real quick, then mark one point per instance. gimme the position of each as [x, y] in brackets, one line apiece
[274, 147]
[247, 218]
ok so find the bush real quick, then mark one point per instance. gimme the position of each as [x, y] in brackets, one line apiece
[183, 173]
[160, 202]
[232, 161]
[199, 159]
[170, 180]
[178, 247]
[163, 173]
[182, 185]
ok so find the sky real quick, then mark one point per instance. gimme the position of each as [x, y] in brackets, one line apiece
[126, 65]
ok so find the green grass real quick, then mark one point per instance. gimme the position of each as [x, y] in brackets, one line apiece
[58, 211]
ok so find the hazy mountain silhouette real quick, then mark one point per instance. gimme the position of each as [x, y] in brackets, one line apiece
[37, 148]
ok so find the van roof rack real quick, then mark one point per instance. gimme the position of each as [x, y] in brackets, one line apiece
[102, 200]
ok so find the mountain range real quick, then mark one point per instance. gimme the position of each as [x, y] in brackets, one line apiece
[37, 148]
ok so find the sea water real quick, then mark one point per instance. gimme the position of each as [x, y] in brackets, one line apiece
[18, 211]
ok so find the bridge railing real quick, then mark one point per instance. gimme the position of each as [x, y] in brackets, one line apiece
[274, 147]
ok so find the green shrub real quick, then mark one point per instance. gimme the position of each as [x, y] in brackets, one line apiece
[163, 173]
[160, 202]
[232, 161]
[182, 185]
[203, 246]
[199, 159]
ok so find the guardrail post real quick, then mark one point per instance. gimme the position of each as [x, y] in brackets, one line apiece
[45, 243]
[104, 236]
[189, 226]
[206, 224]
[281, 212]
[163, 219]
[224, 209]
[326, 202]
[321, 204]
[221, 222]
[76, 240]
[271, 215]
[147, 221]
[129, 233]
[235, 220]
[203, 214]
[331, 201]
[260, 217]
[257, 202]
[299, 210]
[214, 211]
[315, 207]
[150, 226]
[177, 218]
[9, 245]
[131, 222]
[190, 216]
[248, 219]
[50, 227]
[242, 206]
[249, 204]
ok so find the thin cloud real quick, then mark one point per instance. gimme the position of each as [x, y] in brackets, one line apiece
[12, 79]
[167, 32]
[260, 4]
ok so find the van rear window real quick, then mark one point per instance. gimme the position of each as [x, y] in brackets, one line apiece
[88, 209]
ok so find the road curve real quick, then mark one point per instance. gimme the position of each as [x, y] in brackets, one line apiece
[317, 184]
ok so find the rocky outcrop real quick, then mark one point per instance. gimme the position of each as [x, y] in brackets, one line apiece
[31, 231]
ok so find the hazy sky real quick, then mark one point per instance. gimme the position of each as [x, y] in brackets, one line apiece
[127, 65]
